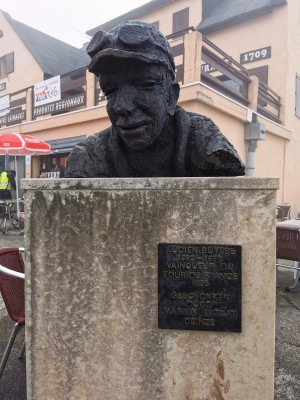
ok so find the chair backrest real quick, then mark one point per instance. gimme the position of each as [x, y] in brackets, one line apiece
[288, 243]
[283, 211]
[12, 289]
[279, 214]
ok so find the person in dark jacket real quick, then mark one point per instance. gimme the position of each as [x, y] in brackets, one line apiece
[150, 135]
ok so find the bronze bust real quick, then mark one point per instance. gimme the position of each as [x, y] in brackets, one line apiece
[150, 135]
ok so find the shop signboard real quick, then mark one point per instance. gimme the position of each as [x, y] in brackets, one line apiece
[12, 118]
[60, 106]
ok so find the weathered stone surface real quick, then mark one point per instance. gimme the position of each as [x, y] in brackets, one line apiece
[92, 288]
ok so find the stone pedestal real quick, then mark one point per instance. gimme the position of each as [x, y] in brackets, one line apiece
[92, 289]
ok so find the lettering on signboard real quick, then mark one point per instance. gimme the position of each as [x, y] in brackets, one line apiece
[208, 68]
[255, 55]
[12, 118]
[199, 287]
[61, 105]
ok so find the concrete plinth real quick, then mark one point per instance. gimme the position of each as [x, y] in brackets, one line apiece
[92, 291]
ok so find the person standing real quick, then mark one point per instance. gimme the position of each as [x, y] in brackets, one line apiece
[7, 183]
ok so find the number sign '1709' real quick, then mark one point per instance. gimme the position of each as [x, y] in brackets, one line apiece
[255, 55]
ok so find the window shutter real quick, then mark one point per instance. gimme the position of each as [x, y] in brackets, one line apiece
[180, 20]
[261, 73]
[9, 61]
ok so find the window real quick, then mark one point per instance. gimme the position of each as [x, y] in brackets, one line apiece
[297, 108]
[7, 64]
[53, 163]
[181, 20]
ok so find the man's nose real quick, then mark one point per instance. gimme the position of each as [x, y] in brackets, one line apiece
[124, 104]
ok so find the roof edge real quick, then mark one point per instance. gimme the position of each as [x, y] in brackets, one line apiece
[237, 19]
[133, 14]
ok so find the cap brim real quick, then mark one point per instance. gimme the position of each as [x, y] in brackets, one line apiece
[102, 61]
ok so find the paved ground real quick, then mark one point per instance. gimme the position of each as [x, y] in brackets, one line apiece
[287, 362]
[13, 382]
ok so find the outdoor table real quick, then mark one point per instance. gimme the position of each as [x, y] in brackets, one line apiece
[289, 223]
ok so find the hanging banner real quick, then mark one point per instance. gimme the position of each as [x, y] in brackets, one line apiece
[47, 91]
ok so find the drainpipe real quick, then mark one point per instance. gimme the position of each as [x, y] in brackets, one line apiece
[252, 145]
[254, 131]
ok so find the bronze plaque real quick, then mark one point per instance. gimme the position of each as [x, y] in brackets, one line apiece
[199, 287]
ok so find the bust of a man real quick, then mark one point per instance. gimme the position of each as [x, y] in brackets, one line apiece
[150, 135]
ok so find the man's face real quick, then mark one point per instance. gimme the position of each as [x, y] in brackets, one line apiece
[137, 101]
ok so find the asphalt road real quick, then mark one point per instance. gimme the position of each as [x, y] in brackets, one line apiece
[287, 359]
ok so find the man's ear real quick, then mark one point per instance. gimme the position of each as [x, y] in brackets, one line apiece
[173, 97]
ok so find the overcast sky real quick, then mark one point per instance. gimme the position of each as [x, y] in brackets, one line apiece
[67, 20]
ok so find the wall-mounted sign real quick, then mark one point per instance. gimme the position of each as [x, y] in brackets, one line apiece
[62, 105]
[13, 118]
[208, 68]
[4, 102]
[2, 86]
[255, 55]
[199, 287]
[47, 91]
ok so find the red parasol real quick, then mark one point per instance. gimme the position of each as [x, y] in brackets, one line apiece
[18, 144]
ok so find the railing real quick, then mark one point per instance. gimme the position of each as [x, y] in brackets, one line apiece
[219, 71]
[223, 73]
[73, 83]
[268, 103]
[177, 47]
[226, 75]
[180, 33]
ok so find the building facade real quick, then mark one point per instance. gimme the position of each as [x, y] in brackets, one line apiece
[238, 65]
